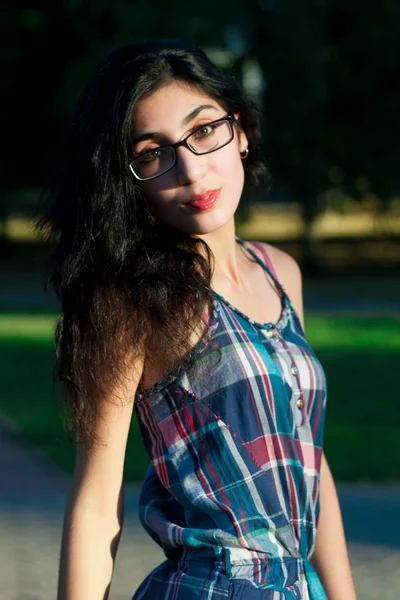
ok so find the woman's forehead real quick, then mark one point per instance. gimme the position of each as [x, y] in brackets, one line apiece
[172, 106]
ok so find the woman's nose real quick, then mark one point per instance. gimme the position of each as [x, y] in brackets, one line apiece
[189, 167]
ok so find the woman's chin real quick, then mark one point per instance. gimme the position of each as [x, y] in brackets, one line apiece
[204, 224]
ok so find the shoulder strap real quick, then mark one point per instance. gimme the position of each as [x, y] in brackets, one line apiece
[267, 260]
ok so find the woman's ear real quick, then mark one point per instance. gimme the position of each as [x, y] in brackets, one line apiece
[243, 142]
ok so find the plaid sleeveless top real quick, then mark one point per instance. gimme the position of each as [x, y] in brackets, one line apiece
[235, 446]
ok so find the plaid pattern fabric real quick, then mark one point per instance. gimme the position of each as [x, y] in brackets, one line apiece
[235, 445]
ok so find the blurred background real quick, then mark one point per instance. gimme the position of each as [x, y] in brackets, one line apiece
[326, 75]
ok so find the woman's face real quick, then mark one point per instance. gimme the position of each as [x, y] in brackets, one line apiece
[213, 181]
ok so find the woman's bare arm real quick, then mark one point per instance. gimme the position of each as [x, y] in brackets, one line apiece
[94, 513]
[330, 558]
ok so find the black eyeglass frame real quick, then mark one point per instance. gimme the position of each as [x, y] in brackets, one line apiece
[229, 118]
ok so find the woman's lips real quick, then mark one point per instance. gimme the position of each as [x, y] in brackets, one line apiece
[204, 201]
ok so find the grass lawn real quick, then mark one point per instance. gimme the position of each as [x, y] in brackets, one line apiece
[360, 357]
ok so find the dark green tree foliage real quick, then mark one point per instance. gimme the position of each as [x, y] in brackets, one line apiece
[363, 72]
[40, 43]
[289, 43]
[332, 69]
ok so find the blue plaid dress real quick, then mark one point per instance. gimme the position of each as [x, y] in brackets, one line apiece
[235, 446]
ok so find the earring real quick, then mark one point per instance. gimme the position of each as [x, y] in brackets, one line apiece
[244, 154]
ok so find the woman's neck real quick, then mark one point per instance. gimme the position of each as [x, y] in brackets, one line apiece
[227, 254]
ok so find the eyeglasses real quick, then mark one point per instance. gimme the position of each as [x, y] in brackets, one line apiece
[207, 138]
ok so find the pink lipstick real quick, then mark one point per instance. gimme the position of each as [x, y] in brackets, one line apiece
[204, 201]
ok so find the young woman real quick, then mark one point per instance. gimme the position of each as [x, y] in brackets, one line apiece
[165, 311]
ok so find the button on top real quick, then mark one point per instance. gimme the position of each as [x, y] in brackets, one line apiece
[275, 337]
[294, 370]
[299, 403]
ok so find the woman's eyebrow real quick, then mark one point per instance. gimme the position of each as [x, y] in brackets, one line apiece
[195, 112]
[157, 134]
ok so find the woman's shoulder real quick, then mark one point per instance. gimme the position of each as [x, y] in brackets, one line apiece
[285, 266]
[287, 271]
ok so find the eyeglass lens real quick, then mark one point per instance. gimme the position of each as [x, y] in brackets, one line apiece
[202, 141]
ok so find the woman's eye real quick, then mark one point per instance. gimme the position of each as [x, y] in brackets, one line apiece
[152, 155]
[204, 131]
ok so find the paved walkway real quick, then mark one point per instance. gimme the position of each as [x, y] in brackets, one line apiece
[32, 499]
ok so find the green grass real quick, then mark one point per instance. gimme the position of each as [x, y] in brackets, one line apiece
[360, 357]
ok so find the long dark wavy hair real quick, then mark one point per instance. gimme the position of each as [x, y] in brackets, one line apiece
[127, 285]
